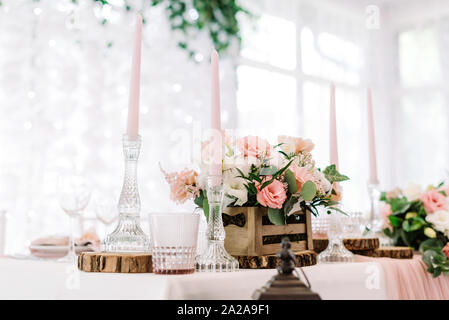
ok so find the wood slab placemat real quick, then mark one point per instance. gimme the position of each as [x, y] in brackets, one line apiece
[390, 252]
[352, 244]
[304, 259]
[115, 262]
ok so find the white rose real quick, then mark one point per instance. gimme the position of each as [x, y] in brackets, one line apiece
[241, 162]
[325, 185]
[413, 192]
[278, 160]
[235, 188]
[439, 220]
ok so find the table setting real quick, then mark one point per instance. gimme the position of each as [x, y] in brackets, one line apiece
[246, 217]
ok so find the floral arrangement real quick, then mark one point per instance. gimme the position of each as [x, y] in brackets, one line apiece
[282, 178]
[420, 219]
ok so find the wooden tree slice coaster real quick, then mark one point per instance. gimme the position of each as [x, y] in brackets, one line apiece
[304, 259]
[352, 244]
[391, 252]
[115, 262]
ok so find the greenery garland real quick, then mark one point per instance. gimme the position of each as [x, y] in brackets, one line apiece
[217, 17]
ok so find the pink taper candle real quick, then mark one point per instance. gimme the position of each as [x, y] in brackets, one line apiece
[333, 129]
[216, 169]
[372, 141]
[134, 91]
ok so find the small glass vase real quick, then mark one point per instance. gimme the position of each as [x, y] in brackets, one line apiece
[336, 250]
[215, 258]
[128, 235]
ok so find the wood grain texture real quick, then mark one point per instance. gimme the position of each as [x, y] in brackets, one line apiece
[354, 245]
[115, 262]
[304, 259]
[391, 252]
[250, 240]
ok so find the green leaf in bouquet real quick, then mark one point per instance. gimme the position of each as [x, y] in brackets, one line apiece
[281, 171]
[276, 217]
[206, 208]
[412, 225]
[308, 191]
[268, 171]
[288, 205]
[199, 200]
[431, 244]
[388, 233]
[400, 205]
[332, 175]
[266, 183]
[291, 181]
[383, 197]
[395, 221]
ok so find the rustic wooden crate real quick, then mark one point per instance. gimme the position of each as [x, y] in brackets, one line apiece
[249, 232]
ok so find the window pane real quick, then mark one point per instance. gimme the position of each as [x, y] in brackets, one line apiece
[330, 57]
[421, 155]
[419, 58]
[270, 40]
[266, 102]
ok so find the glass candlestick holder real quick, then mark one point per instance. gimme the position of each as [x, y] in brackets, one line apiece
[375, 220]
[336, 250]
[215, 258]
[128, 236]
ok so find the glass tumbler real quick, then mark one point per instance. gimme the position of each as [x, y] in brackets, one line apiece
[174, 238]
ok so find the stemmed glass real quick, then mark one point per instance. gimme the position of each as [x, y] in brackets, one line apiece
[106, 209]
[74, 196]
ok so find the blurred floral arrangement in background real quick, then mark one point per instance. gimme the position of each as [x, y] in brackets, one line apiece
[420, 219]
[282, 178]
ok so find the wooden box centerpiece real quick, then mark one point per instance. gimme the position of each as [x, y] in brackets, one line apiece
[249, 232]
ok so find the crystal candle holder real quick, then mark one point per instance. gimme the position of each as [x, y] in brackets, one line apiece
[215, 258]
[174, 239]
[375, 220]
[336, 250]
[128, 236]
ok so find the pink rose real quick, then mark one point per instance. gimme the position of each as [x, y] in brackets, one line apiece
[295, 145]
[385, 212]
[446, 250]
[302, 175]
[433, 201]
[273, 195]
[254, 146]
[182, 185]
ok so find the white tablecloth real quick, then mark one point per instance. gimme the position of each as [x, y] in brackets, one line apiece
[30, 279]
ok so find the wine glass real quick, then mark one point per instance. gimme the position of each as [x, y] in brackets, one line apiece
[106, 209]
[74, 196]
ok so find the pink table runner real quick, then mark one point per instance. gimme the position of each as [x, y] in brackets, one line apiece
[408, 279]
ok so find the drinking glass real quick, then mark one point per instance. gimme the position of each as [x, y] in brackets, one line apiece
[174, 239]
[106, 209]
[74, 196]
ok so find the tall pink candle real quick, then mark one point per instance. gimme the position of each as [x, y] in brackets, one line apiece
[333, 129]
[372, 140]
[216, 169]
[134, 91]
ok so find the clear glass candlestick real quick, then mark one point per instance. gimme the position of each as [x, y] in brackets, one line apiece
[336, 250]
[375, 220]
[215, 258]
[128, 236]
